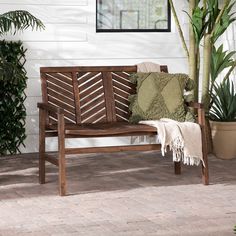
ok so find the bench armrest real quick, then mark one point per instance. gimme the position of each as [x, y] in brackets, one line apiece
[50, 108]
[200, 112]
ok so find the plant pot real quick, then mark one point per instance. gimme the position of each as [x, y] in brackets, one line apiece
[224, 139]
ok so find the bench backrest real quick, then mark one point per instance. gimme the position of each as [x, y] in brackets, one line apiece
[89, 94]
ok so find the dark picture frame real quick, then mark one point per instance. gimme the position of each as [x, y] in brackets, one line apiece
[127, 20]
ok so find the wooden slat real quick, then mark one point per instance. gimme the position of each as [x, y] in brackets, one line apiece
[60, 91]
[148, 147]
[90, 83]
[92, 104]
[44, 92]
[123, 74]
[93, 111]
[43, 78]
[61, 104]
[53, 115]
[51, 134]
[121, 106]
[202, 123]
[67, 114]
[121, 93]
[107, 68]
[109, 96]
[91, 96]
[120, 118]
[91, 89]
[177, 167]
[102, 120]
[42, 125]
[106, 129]
[85, 78]
[123, 88]
[59, 83]
[70, 69]
[122, 114]
[60, 77]
[61, 155]
[121, 99]
[88, 68]
[123, 81]
[60, 97]
[95, 117]
[76, 98]
[68, 75]
[51, 159]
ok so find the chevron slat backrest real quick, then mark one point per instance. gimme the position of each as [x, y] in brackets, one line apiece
[96, 94]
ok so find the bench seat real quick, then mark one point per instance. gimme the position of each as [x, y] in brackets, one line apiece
[107, 129]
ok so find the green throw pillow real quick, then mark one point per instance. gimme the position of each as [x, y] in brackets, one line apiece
[160, 95]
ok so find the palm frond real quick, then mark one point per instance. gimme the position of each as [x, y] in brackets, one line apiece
[19, 20]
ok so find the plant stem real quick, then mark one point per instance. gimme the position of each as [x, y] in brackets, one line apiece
[193, 52]
[206, 71]
[179, 27]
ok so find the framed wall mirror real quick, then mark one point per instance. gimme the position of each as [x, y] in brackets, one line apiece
[133, 16]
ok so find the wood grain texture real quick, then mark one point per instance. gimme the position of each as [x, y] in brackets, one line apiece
[61, 155]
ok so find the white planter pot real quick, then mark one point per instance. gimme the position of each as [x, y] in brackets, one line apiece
[224, 139]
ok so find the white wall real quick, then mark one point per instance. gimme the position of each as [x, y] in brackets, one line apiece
[70, 38]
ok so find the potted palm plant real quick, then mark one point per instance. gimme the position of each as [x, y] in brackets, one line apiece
[209, 19]
[223, 119]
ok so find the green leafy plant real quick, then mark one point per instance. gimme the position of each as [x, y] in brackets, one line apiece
[220, 60]
[12, 85]
[235, 229]
[223, 99]
[208, 21]
[13, 81]
[14, 21]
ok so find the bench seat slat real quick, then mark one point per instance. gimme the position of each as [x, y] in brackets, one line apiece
[106, 129]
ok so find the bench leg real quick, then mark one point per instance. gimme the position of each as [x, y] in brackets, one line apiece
[177, 167]
[61, 155]
[205, 175]
[42, 120]
[205, 170]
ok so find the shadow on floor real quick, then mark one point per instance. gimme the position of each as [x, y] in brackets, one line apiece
[105, 172]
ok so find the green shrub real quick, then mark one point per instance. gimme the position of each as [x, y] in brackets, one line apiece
[12, 85]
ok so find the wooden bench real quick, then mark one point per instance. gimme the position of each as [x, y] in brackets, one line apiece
[84, 102]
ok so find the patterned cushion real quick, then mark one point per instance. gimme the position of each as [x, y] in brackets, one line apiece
[160, 95]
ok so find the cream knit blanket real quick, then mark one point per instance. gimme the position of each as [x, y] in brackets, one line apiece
[183, 138]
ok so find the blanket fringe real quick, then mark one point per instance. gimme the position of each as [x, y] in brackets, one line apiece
[177, 147]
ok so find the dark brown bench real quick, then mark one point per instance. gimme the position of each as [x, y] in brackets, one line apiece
[83, 102]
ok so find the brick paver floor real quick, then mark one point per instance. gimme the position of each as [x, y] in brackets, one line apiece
[117, 194]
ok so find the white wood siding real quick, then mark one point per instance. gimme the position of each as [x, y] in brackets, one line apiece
[70, 38]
